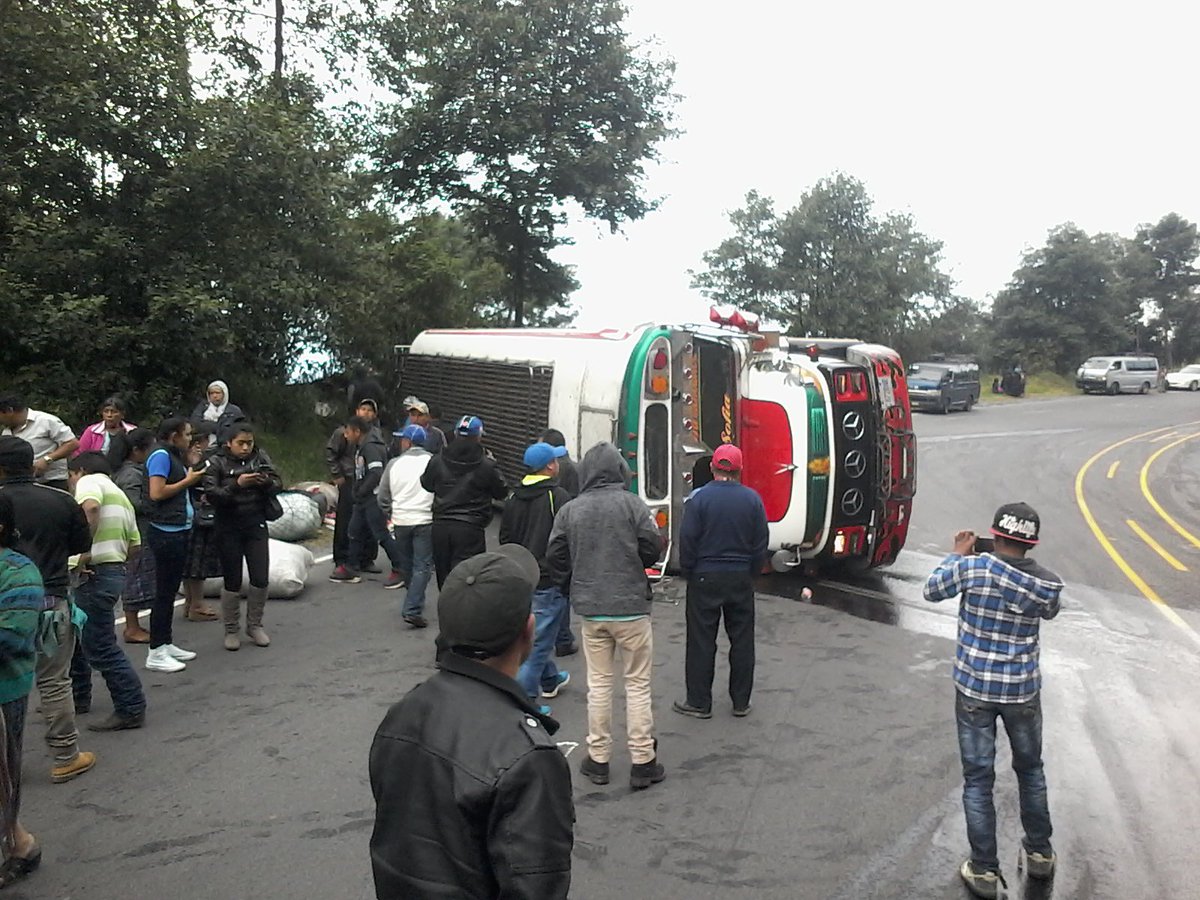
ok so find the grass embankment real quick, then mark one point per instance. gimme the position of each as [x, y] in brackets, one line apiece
[298, 449]
[1039, 384]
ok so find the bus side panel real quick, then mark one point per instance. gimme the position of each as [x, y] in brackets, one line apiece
[513, 399]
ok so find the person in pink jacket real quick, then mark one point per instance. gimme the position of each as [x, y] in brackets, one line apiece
[99, 437]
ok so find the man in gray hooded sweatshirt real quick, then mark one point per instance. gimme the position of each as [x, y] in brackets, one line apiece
[599, 548]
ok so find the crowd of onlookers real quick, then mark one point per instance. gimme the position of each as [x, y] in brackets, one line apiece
[118, 516]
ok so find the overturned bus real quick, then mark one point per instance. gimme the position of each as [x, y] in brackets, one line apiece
[825, 425]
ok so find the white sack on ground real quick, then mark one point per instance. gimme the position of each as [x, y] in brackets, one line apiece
[301, 517]
[286, 576]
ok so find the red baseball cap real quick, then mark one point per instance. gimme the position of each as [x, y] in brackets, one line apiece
[727, 458]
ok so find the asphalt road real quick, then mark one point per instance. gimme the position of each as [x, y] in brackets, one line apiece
[249, 779]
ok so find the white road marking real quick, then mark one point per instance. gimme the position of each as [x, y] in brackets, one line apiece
[567, 746]
[988, 435]
[1163, 437]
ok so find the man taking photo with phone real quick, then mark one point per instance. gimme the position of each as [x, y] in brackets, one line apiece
[1005, 596]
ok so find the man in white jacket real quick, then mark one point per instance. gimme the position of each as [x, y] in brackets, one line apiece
[410, 508]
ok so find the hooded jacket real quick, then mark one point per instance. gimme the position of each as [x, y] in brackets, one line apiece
[244, 505]
[529, 518]
[370, 457]
[603, 540]
[464, 481]
[473, 797]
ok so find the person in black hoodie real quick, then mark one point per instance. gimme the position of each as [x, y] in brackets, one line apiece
[240, 482]
[464, 481]
[527, 520]
[367, 523]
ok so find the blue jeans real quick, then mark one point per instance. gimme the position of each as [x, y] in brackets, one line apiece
[97, 596]
[566, 637]
[977, 746]
[415, 545]
[539, 672]
[369, 524]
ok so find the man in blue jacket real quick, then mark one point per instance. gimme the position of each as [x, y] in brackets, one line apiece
[723, 543]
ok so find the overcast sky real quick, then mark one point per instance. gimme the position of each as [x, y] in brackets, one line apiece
[989, 124]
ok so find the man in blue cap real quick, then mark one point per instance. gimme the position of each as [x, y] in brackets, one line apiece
[464, 481]
[528, 519]
[409, 507]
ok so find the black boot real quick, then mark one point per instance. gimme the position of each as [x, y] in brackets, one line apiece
[595, 772]
[642, 775]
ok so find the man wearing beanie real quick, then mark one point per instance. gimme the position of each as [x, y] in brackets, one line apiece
[473, 796]
[722, 545]
[1005, 596]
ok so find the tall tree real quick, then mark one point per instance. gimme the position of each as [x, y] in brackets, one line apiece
[512, 111]
[829, 266]
[1162, 273]
[1066, 302]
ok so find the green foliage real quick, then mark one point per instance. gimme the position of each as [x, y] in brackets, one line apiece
[1161, 269]
[510, 111]
[1065, 303]
[829, 266]
[960, 328]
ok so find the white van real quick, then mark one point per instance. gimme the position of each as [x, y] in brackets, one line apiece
[1114, 374]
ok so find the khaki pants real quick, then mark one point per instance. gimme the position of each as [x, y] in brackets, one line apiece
[601, 641]
[54, 689]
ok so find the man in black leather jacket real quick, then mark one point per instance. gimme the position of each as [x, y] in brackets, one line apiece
[473, 798]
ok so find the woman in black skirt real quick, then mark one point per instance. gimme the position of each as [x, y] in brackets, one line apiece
[203, 556]
[138, 593]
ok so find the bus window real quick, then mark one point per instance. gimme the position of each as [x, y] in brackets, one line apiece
[656, 452]
[716, 393]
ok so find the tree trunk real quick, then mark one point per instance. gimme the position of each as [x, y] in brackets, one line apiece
[279, 44]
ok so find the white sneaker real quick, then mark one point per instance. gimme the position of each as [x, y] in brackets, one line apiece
[179, 653]
[158, 660]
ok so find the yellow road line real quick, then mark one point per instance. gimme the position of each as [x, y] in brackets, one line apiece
[1112, 470]
[1155, 546]
[1184, 533]
[1137, 580]
[1163, 437]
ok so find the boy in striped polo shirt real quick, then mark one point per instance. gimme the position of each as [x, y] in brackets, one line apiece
[1005, 595]
[101, 573]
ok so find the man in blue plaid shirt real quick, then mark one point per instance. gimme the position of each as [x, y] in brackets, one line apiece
[1004, 597]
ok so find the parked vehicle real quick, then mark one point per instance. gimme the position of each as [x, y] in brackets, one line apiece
[825, 425]
[1186, 379]
[943, 386]
[1115, 374]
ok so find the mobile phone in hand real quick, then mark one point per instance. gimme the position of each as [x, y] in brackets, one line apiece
[984, 545]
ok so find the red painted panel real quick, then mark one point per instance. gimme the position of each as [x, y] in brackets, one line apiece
[766, 440]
